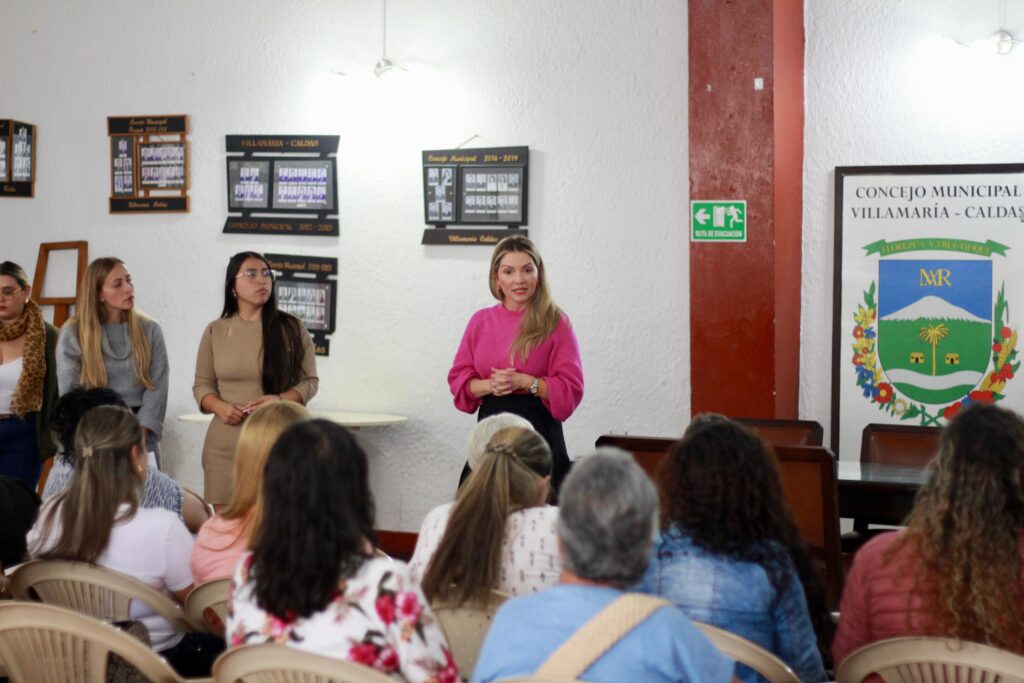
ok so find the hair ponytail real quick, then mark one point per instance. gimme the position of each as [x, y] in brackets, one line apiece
[467, 561]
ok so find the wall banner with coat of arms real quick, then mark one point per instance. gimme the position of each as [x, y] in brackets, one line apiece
[929, 290]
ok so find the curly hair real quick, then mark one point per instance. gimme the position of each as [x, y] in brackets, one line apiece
[965, 528]
[720, 484]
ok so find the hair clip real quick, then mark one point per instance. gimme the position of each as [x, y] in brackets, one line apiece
[87, 452]
[503, 448]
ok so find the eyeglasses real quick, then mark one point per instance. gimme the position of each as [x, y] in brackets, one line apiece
[9, 291]
[252, 274]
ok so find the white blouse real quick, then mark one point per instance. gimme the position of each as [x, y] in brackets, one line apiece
[529, 550]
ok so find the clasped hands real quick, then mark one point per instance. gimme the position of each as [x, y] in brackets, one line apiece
[504, 382]
[231, 414]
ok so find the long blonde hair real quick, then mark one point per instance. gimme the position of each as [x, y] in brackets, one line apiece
[259, 432]
[542, 315]
[510, 477]
[90, 315]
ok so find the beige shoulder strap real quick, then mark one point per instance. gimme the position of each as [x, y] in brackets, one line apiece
[598, 635]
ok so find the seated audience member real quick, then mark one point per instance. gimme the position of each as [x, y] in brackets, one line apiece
[18, 507]
[481, 435]
[499, 533]
[311, 580]
[730, 554]
[158, 491]
[223, 539]
[955, 570]
[607, 519]
[98, 520]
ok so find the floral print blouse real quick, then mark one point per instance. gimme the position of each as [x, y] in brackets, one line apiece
[379, 618]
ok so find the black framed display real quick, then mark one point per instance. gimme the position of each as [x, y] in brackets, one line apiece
[282, 184]
[149, 162]
[307, 287]
[478, 187]
[17, 158]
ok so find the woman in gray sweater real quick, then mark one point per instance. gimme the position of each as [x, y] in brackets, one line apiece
[108, 343]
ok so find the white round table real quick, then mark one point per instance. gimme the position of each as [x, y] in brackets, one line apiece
[345, 419]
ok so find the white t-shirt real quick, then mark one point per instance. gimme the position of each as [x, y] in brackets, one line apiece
[529, 549]
[152, 547]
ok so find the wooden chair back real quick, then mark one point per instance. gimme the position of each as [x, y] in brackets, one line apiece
[466, 626]
[899, 444]
[48, 644]
[808, 476]
[786, 432]
[275, 663]
[648, 451]
[397, 545]
[931, 660]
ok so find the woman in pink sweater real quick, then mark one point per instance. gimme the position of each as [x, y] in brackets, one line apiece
[955, 571]
[520, 356]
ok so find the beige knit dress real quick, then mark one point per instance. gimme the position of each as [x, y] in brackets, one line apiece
[229, 364]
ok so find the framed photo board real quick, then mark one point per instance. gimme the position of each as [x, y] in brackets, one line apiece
[307, 287]
[479, 187]
[149, 162]
[17, 158]
[929, 266]
[282, 184]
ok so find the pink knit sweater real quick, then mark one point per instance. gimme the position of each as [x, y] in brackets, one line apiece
[485, 345]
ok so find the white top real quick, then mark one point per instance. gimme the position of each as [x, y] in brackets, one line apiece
[152, 547]
[529, 550]
[9, 375]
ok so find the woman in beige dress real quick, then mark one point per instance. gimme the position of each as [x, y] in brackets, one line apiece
[252, 354]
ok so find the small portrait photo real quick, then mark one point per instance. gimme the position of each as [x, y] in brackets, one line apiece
[492, 182]
[432, 176]
[513, 181]
[446, 176]
[471, 203]
[502, 182]
[433, 212]
[446, 211]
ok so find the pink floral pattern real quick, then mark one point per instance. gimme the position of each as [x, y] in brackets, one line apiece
[379, 619]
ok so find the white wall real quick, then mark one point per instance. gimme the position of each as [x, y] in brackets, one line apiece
[886, 84]
[597, 90]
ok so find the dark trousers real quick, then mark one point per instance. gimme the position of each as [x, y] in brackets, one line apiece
[19, 452]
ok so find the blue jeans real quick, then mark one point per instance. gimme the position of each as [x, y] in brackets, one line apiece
[19, 451]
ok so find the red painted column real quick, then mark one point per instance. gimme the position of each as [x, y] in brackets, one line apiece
[747, 143]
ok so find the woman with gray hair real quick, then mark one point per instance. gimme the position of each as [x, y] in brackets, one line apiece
[607, 519]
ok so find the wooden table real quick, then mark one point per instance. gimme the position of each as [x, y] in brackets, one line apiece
[878, 493]
[346, 419]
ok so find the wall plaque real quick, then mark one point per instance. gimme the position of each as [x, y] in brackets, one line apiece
[479, 187]
[282, 184]
[307, 287]
[17, 158]
[148, 164]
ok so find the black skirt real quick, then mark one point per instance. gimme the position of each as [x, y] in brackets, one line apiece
[532, 409]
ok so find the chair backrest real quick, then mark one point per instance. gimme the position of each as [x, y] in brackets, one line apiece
[207, 604]
[92, 590]
[773, 669]
[397, 545]
[786, 432]
[47, 644]
[808, 476]
[466, 626]
[931, 660]
[899, 444]
[273, 663]
[648, 451]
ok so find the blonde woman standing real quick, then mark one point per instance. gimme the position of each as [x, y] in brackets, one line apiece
[520, 356]
[27, 378]
[108, 343]
[223, 538]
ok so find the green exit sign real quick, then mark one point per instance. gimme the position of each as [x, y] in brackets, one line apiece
[718, 220]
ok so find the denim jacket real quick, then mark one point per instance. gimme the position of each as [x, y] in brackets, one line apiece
[738, 597]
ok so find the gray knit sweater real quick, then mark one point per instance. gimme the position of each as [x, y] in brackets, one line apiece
[151, 404]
